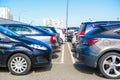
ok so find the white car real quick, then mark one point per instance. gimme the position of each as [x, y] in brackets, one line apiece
[62, 36]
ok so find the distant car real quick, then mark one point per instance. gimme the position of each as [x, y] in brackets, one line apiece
[20, 53]
[62, 36]
[53, 31]
[35, 33]
[100, 48]
[69, 33]
[75, 39]
[85, 27]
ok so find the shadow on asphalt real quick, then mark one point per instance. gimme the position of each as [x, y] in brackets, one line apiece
[41, 69]
[86, 69]
[54, 56]
[5, 70]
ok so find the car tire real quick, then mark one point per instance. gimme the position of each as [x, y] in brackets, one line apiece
[19, 64]
[109, 65]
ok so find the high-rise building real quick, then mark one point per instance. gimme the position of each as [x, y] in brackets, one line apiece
[5, 13]
[118, 18]
[53, 22]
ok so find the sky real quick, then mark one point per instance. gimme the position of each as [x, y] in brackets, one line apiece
[34, 11]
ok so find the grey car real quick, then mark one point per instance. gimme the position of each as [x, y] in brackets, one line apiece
[101, 48]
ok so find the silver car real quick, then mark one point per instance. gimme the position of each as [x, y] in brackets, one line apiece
[101, 48]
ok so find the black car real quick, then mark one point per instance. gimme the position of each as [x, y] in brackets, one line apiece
[33, 32]
[70, 31]
[20, 53]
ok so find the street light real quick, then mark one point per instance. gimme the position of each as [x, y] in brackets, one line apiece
[67, 5]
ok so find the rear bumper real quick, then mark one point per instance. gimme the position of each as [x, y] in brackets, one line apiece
[86, 55]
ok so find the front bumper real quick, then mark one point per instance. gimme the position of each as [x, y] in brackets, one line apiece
[87, 55]
[42, 58]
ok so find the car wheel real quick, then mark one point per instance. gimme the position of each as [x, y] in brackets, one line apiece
[61, 41]
[19, 64]
[109, 65]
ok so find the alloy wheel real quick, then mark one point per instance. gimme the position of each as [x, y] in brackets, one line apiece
[18, 64]
[111, 66]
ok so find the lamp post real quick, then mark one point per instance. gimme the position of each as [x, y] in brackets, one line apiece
[67, 6]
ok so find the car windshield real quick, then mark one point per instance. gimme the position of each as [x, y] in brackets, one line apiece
[72, 29]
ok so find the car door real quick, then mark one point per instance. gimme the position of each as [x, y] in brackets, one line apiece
[4, 44]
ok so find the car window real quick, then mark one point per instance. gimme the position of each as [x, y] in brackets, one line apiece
[72, 29]
[82, 27]
[49, 30]
[23, 30]
[117, 31]
[89, 28]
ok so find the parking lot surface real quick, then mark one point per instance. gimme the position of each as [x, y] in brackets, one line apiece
[64, 67]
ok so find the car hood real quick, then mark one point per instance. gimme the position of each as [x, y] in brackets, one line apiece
[33, 41]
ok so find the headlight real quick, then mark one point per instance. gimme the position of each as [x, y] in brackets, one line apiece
[38, 47]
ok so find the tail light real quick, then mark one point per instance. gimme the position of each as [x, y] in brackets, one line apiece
[53, 39]
[89, 42]
[81, 33]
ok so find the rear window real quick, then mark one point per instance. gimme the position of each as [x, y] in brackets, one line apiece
[95, 31]
[72, 29]
[86, 27]
[89, 28]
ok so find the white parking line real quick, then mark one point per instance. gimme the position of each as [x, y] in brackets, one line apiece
[62, 58]
[73, 60]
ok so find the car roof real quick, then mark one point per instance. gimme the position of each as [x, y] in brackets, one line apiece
[100, 22]
[38, 28]
[46, 26]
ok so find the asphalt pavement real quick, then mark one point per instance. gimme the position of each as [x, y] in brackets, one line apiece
[64, 67]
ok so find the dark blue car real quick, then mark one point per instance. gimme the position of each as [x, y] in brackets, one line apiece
[33, 32]
[20, 53]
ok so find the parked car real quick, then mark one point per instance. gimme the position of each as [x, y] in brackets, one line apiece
[35, 33]
[85, 27]
[75, 39]
[20, 53]
[62, 36]
[69, 33]
[100, 48]
[53, 31]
